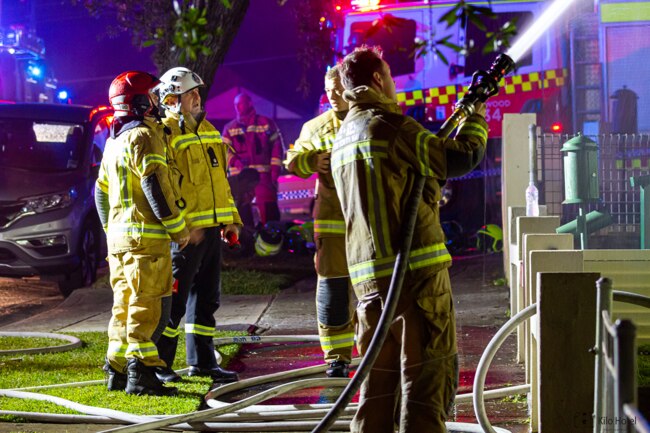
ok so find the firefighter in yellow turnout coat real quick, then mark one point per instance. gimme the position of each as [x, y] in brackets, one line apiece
[375, 157]
[311, 154]
[199, 171]
[135, 202]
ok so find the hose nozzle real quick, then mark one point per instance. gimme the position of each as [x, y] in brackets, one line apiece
[486, 83]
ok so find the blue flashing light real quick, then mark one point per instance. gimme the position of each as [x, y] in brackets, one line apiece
[35, 71]
[62, 95]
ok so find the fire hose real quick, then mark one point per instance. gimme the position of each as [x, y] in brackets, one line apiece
[249, 415]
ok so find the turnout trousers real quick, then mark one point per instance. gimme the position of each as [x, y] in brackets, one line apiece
[414, 380]
[197, 271]
[334, 304]
[140, 279]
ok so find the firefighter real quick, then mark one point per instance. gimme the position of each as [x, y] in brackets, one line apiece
[198, 158]
[374, 160]
[255, 141]
[135, 202]
[311, 154]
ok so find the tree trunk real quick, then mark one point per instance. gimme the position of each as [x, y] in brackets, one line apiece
[223, 24]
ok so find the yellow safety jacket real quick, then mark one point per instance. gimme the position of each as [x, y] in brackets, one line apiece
[128, 216]
[199, 162]
[375, 157]
[317, 136]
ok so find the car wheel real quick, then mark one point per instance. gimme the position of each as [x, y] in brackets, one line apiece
[86, 273]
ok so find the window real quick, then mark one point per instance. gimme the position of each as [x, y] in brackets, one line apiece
[477, 39]
[395, 36]
[40, 146]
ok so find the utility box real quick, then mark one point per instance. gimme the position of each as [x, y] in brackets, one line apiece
[580, 170]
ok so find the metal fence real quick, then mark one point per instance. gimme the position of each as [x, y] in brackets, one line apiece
[616, 408]
[621, 156]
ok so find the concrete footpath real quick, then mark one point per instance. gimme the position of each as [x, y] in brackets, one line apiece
[481, 308]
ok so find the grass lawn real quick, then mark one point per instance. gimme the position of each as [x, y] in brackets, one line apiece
[84, 364]
[241, 276]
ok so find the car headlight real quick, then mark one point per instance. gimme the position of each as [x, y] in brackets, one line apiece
[48, 202]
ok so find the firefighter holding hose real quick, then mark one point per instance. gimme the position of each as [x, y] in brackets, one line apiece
[375, 158]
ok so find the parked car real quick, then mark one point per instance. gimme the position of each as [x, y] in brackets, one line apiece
[49, 160]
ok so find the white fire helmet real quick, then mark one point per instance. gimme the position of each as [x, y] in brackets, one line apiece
[175, 82]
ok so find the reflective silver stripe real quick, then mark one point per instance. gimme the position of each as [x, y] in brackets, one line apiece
[193, 328]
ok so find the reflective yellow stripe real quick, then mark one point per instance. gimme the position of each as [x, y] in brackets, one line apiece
[473, 128]
[152, 158]
[302, 163]
[193, 328]
[337, 341]
[171, 332]
[116, 349]
[377, 211]
[422, 151]
[142, 350]
[174, 225]
[137, 229]
[348, 152]
[418, 259]
[329, 226]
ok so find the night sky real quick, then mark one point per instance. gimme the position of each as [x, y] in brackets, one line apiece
[85, 59]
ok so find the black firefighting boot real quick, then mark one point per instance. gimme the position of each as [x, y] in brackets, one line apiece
[166, 374]
[218, 374]
[338, 369]
[142, 380]
[115, 381]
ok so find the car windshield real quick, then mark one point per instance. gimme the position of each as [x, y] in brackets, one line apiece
[40, 145]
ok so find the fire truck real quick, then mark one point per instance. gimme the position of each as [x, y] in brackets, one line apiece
[588, 73]
[24, 75]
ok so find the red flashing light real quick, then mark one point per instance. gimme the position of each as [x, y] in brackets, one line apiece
[557, 127]
[97, 110]
[322, 19]
[338, 8]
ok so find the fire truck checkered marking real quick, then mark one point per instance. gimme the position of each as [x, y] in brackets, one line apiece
[515, 84]
[293, 195]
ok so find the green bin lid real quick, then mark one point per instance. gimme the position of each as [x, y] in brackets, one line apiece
[579, 142]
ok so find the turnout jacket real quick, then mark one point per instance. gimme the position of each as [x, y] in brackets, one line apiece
[133, 192]
[317, 136]
[255, 141]
[199, 163]
[375, 157]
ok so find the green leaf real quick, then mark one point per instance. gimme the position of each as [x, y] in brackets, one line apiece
[442, 56]
[149, 43]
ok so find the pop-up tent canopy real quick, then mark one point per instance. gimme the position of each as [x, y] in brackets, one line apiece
[222, 106]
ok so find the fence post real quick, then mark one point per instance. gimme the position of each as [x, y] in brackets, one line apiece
[625, 362]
